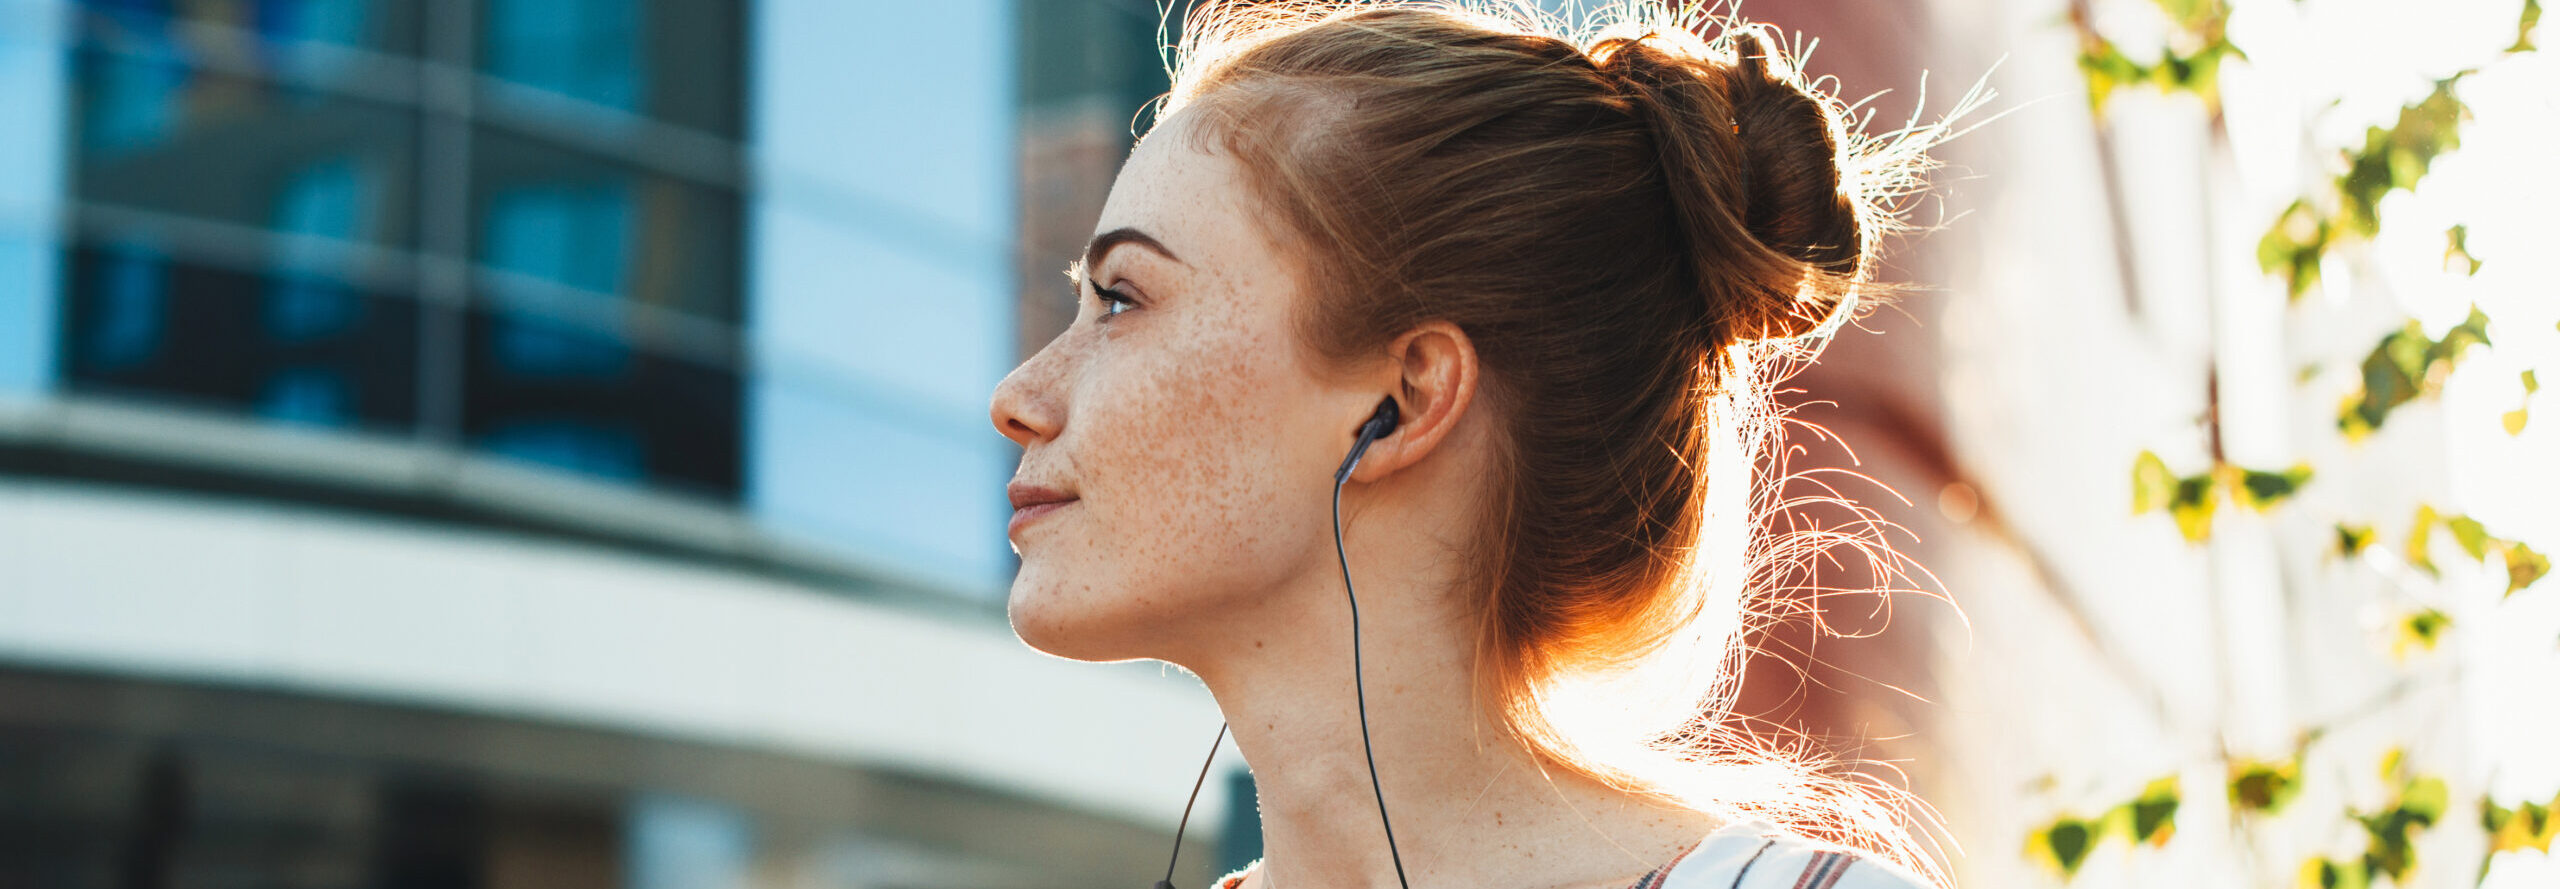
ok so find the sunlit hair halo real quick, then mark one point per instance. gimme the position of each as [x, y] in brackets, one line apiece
[1640, 228]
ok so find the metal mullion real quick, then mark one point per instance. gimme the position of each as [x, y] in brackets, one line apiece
[244, 248]
[689, 155]
[444, 215]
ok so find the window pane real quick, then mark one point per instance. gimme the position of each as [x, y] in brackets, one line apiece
[219, 26]
[575, 396]
[587, 222]
[283, 346]
[157, 136]
[673, 60]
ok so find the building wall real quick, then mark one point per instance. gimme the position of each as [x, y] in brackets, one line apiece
[659, 422]
[31, 108]
[881, 281]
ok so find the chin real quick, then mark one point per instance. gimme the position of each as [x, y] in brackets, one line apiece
[1071, 621]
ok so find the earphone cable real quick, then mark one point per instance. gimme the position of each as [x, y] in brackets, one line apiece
[1359, 692]
[1185, 823]
[1380, 424]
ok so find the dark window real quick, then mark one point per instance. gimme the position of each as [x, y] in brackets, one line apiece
[675, 61]
[284, 210]
[286, 347]
[576, 397]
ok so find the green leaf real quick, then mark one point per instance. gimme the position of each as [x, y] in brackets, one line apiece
[2473, 331]
[2392, 374]
[2107, 69]
[2152, 483]
[2264, 787]
[2262, 490]
[2116, 821]
[2456, 246]
[2515, 419]
[2527, 826]
[2204, 70]
[2524, 26]
[2322, 873]
[2183, 11]
[2419, 629]
[2396, 158]
[2155, 812]
[2422, 531]
[2468, 532]
[2191, 504]
[2389, 848]
[2292, 247]
[2352, 539]
[2355, 420]
[2404, 365]
[2064, 844]
[2425, 798]
[2524, 566]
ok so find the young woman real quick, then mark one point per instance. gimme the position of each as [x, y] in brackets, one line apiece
[1565, 263]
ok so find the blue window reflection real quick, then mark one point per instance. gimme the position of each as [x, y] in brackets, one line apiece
[367, 23]
[586, 49]
[132, 311]
[573, 234]
[582, 445]
[131, 103]
[314, 293]
[330, 197]
[313, 396]
[527, 349]
[346, 22]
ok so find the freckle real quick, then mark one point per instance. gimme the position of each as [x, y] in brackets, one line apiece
[1257, 643]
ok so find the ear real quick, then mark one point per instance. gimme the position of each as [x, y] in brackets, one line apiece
[1435, 375]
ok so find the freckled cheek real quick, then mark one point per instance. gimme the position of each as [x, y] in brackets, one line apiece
[1189, 450]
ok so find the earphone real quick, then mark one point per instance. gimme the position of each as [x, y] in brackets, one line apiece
[1380, 424]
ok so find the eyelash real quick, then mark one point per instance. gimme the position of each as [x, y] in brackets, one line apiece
[1113, 301]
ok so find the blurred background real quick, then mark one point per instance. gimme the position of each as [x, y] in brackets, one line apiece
[512, 443]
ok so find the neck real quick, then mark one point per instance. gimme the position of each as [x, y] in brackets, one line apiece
[1470, 806]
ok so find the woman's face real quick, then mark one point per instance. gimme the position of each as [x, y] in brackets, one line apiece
[1190, 432]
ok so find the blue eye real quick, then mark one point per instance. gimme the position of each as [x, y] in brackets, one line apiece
[1113, 301]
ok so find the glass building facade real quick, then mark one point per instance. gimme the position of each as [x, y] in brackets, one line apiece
[509, 227]
[494, 443]
[558, 237]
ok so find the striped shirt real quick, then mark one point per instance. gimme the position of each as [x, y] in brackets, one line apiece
[1755, 854]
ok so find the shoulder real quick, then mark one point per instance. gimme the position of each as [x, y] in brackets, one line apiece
[1758, 855]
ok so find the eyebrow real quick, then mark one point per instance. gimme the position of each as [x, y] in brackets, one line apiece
[1103, 243]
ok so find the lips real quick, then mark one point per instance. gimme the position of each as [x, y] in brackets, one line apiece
[1030, 502]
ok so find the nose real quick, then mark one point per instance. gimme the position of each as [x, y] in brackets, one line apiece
[1025, 406]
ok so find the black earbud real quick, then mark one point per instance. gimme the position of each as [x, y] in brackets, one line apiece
[1379, 425]
[1385, 419]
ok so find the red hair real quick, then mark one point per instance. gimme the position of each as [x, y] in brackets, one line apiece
[1635, 228]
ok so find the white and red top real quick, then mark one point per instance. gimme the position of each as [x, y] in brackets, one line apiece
[1755, 854]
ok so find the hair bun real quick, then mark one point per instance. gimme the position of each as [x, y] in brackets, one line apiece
[1790, 183]
[1752, 161]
